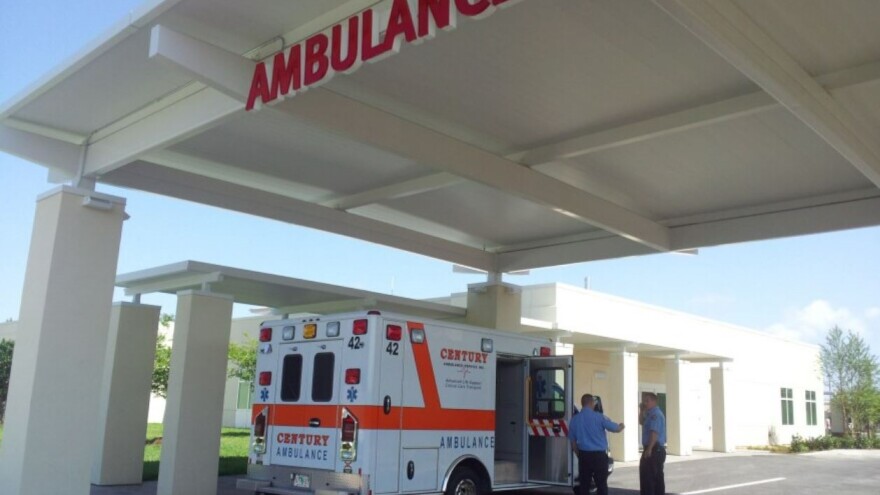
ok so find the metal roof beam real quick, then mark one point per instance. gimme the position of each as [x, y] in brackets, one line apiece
[340, 114]
[59, 156]
[824, 214]
[729, 31]
[684, 120]
[227, 72]
[545, 158]
[217, 192]
[393, 191]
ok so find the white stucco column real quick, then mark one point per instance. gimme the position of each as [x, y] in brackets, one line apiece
[194, 409]
[722, 403]
[622, 405]
[494, 305]
[52, 411]
[125, 394]
[678, 440]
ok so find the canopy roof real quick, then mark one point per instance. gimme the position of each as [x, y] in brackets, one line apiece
[544, 134]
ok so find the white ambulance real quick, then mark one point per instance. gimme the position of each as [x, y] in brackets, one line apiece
[372, 403]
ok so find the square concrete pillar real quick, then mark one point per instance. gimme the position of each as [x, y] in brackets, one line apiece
[722, 403]
[194, 409]
[494, 305]
[678, 441]
[52, 411]
[622, 405]
[125, 394]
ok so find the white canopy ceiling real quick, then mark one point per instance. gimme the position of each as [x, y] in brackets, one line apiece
[545, 134]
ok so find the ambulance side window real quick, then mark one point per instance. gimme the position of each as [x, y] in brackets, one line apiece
[548, 393]
[322, 377]
[291, 377]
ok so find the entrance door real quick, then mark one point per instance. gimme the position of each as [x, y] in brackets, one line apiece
[549, 457]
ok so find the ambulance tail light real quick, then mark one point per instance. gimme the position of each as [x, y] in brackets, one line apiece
[545, 351]
[265, 334]
[348, 437]
[360, 327]
[352, 376]
[260, 432]
[265, 378]
[393, 332]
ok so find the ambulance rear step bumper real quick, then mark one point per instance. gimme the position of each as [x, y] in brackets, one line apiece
[278, 480]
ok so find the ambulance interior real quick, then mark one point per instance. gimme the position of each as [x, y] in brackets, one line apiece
[531, 389]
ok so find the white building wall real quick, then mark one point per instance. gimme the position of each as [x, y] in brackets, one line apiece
[763, 363]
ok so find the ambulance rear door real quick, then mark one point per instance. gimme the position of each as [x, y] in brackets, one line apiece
[307, 413]
[549, 457]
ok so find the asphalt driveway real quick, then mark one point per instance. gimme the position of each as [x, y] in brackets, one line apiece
[837, 472]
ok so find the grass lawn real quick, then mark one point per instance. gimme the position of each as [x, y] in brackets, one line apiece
[234, 443]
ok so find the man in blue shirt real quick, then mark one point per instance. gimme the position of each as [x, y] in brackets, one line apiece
[589, 442]
[651, 478]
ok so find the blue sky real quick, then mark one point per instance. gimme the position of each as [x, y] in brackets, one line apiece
[796, 287]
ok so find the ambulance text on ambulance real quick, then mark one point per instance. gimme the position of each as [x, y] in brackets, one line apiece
[369, 36]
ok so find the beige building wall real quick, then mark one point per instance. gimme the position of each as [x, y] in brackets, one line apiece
[763, 364]
[7, 330]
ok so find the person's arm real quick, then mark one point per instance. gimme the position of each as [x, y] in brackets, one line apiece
[651, 442]
[612, 426]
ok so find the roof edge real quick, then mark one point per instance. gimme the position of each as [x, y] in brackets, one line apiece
[122, 29]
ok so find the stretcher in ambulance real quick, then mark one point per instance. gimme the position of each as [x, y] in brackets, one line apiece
[374, 403]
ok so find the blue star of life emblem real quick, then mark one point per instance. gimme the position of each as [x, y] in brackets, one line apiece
[352, 394]
[264, 394]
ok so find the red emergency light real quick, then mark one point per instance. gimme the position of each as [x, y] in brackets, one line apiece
[360, 327]
[352, 376]
[265, 334]
[393, 332]
[265, 378]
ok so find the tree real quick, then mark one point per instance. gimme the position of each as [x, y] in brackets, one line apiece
[162, 363]
[243, 359]
[161, 367]
[850, 372]
[6, 348]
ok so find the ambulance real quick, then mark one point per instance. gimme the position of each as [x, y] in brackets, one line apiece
[377, 403]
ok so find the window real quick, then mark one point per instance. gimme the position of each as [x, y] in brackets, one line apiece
[548, 392]
[322, 377]
[787, 406]
[810, 397]
[291, 377]
[245, 395]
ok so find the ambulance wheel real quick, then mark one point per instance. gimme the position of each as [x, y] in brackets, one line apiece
[464, 481]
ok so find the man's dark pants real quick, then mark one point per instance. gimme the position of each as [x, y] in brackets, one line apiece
[593, 465]
[651, 477]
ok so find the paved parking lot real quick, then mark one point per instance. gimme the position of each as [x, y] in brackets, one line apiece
[844, 472]
[841, 472]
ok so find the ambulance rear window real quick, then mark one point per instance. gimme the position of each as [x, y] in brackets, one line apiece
[322, 377]
[291, 377]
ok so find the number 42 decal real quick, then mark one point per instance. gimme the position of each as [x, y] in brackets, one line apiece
[355, 343]
[392, 348]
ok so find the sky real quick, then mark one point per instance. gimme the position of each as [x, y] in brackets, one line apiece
[796, 287]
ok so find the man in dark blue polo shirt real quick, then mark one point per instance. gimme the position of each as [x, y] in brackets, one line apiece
[588, 440]
[651, 479]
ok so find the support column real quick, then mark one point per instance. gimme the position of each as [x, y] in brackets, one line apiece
[494, 305]
[623, 404]
[125, 395]
[722, 402]
[194, 410]
[52, 411]
[678, 441]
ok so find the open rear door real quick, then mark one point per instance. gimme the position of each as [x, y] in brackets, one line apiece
[549, 456]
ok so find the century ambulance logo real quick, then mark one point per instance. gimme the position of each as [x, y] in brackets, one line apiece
[463, 356]
[369, 36]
